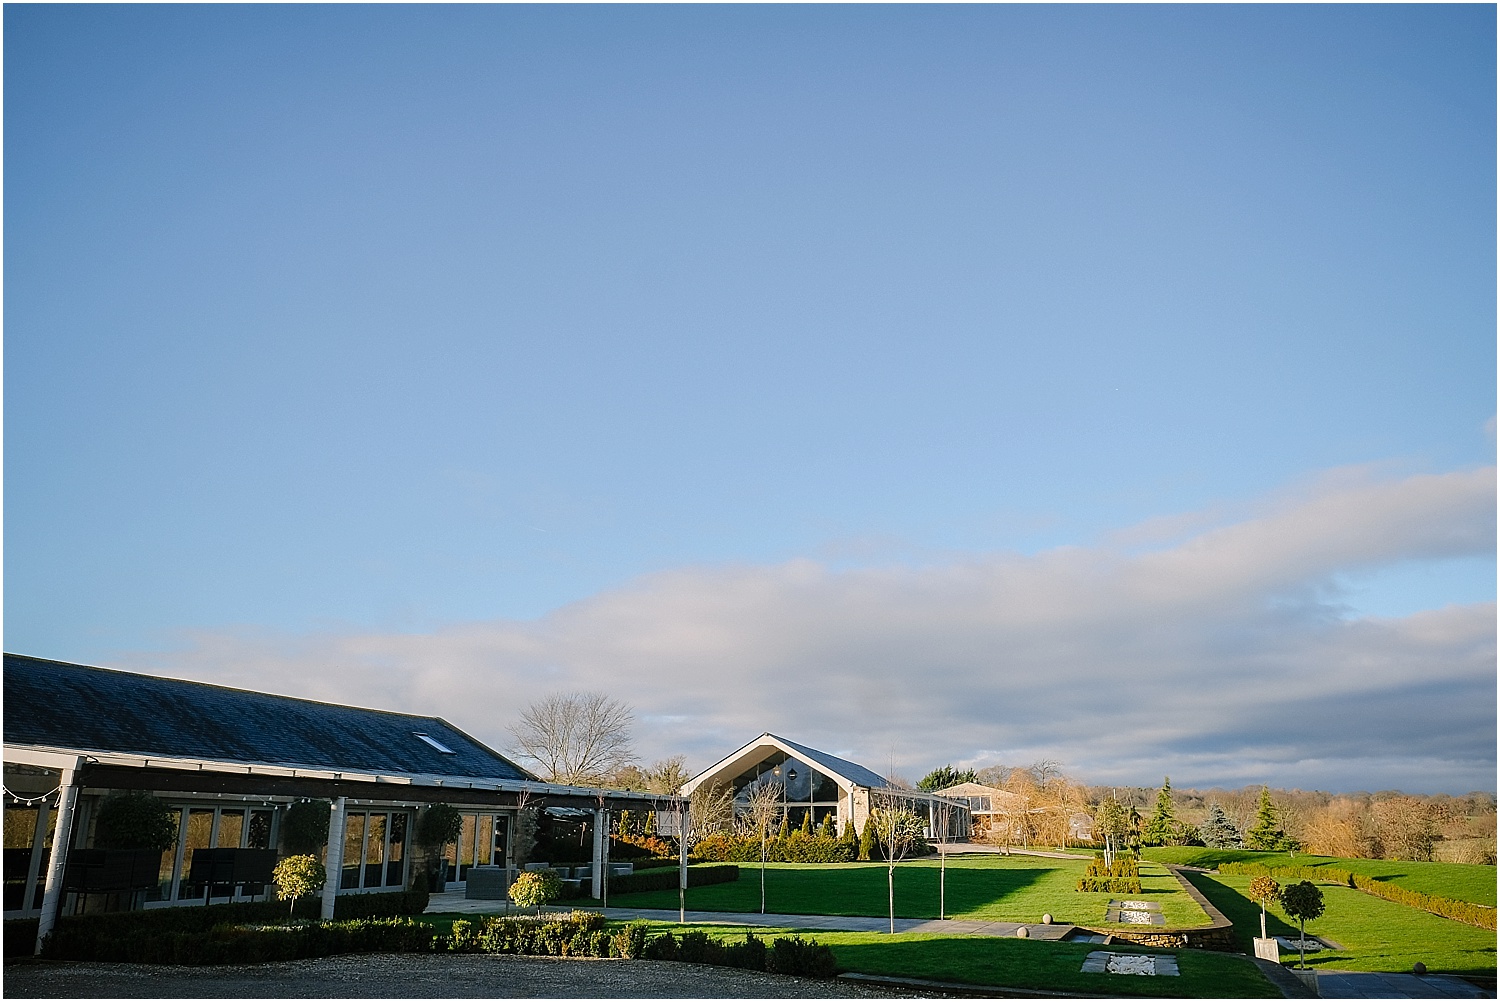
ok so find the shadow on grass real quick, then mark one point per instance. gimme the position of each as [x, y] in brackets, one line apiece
[1244, 913]
[853, 889]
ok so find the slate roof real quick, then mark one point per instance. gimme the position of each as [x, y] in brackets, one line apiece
[852, 771]
[62, 705]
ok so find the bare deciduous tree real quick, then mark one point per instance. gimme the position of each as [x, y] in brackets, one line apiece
[712, 810]
[942, 831]
[668, 775]
[897, 830]
[578, 738]
[762, 810]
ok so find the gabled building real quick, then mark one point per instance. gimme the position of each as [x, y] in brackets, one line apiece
[817, 783]
[230, 763]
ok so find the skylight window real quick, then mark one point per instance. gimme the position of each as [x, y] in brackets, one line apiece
[435, 743]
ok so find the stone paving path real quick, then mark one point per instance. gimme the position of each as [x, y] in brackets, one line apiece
[1358, 985]
[456, 902]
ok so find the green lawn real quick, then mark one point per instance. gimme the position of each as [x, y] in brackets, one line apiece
[1016, 963]
[995, 888]
[1377, 935]
[1460, 881]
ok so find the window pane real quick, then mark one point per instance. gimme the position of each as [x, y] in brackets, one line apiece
[485, 843]
[260, 830]
[20, 831]
[354, 849]
[825, 790]
[375, 851]
[396, 857]
[163, 889]
[231, 827]
[200, 827]
[466, 846]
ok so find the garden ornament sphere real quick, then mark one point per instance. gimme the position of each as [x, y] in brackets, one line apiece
[1419, 968]
[1023, 933]
[1047, 919]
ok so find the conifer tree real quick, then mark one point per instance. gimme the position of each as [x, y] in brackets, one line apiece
[826, 829]
[1218, 831]
[783, 831]
[806, 828]
[1266, 833]
[1161, 828]
[867, 839]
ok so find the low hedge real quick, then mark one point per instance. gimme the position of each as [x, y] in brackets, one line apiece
[228, 943]
[785, 955]
[1123, 876]
[663, 880]
[1112, 885]
[1466, 912]
[584, 934]
[795, 848]
[579, 934]
[20, 934]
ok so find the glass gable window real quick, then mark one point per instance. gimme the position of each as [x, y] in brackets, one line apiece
[805, 790]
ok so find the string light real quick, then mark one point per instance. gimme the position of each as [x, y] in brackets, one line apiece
[28, 801]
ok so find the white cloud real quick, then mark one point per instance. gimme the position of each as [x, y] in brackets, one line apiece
[1221, 658]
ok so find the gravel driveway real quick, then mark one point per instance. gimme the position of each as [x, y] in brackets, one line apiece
[422, 976]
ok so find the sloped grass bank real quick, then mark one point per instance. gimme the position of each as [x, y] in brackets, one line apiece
[1460, 881]
[990, 888]
[1376, 935]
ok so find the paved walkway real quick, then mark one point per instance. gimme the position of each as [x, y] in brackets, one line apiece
[453, 901]
[1356, 985]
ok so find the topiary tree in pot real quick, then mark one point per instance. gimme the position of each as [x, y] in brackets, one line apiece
[1264, 890]
[1302, 901]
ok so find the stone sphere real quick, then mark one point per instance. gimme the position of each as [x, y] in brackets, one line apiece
[1047, 919]
[1023, 932]
[1419, 968]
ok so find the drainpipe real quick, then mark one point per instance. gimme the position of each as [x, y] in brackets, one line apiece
[335, 867]
[67, 800]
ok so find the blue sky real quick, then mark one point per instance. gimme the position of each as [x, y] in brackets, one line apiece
[335, 335]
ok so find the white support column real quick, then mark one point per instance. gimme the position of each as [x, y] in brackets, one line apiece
[597, 863]
[683, 819]
[335, 864]
[67, 800]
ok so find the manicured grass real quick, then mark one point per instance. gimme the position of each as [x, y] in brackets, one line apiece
[1459, 881]
[1376, 935]
[989, 960]
[993, 888]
